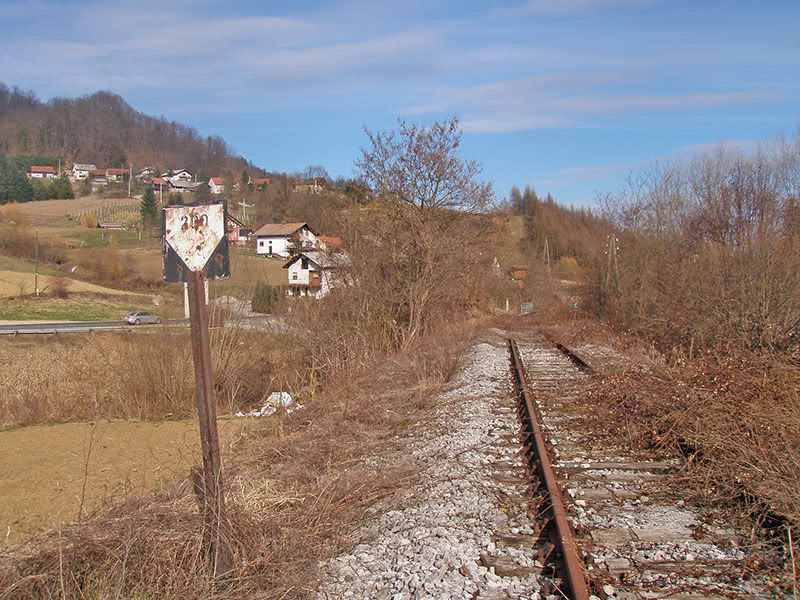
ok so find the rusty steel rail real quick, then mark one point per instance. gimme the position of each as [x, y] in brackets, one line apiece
[538, 459]
[575, 359]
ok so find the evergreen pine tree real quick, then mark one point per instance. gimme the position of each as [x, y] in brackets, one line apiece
[149, 207]
[3, 179]
[19, 187]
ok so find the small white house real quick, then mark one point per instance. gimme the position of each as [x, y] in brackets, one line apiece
[82, 171]
[181, 175]
[217, 185]
[311, 274]
[40, 172]
[145, 174]
[285, 239]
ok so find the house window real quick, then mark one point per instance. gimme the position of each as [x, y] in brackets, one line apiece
[305, 264]
[294, 276]
[260, 243]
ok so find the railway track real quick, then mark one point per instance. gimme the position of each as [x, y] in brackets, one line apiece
[479, 522]
[607, 523]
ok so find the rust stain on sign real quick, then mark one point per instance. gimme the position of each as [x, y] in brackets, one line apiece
[193, 232]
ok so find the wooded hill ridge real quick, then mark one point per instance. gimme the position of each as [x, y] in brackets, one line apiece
[103, 129]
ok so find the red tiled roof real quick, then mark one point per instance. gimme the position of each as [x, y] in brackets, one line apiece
[218, 180]
[158, 181]
[35, 169]
[112, 171]
[261, 181]
[331, 240]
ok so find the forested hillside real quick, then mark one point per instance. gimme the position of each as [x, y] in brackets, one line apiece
[104, 130]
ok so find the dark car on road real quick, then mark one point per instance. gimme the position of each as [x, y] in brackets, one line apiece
[141, 317]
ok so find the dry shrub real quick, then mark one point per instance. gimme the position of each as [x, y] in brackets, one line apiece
[137, 376]
[59, 286]
[89, 221]
[399, 280]
[16, 237]
[57, 252]
[709, 251]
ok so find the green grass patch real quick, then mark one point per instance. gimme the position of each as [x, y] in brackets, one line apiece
[94, 238]
[69, 309]
[20, 265]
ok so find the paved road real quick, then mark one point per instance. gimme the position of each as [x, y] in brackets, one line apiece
[265, 322]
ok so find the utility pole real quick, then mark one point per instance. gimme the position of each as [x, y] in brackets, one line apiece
[611, 263]
[546, 255]
[130, 174]
[36, 276]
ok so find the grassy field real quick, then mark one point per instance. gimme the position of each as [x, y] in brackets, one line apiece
[78, 307]
[54, 472]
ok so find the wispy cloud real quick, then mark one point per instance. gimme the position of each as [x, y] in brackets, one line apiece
[565, 99]
[575, 7]
[592, 172]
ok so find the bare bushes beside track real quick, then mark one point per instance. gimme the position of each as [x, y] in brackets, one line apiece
[708, 251]
[708, 269]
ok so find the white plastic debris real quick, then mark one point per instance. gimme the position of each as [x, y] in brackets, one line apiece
[275, 402]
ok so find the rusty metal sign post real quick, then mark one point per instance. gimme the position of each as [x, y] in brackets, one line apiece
[196, 249]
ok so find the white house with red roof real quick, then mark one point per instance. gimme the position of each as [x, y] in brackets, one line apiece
[217, 185]
[41, 172]
[285, 239]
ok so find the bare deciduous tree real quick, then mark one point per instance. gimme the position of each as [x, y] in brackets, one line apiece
[418, 166]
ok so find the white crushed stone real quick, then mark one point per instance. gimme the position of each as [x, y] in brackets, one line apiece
[432, 547]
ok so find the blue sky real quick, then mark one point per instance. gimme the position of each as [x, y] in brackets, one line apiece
[565, 95]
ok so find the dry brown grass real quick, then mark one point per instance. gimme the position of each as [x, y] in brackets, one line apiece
[735, 417]
[296, 484]
[134, 375]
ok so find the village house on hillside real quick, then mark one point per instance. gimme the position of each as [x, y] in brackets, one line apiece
[217, 185]
[116, 174]
[40, 172]
[284, 239]
[82, 171]
[308, 186]
[179, 185]
[145, 174]
[179, 175]
[312, 273]
[237, 232]
[330, 242]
